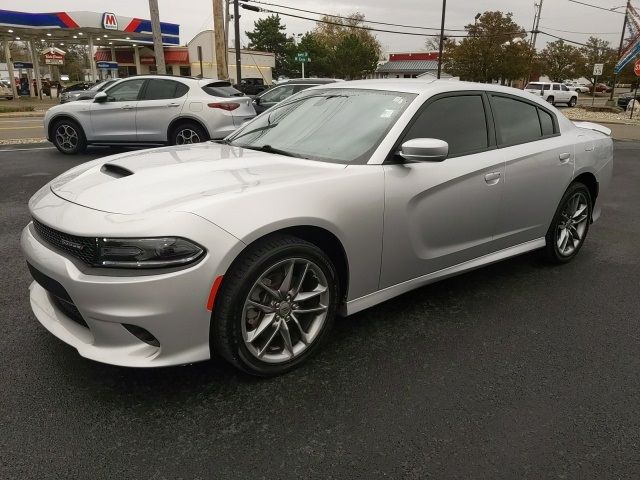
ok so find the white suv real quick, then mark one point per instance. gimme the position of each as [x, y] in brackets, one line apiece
[149, 110]
[553, 92]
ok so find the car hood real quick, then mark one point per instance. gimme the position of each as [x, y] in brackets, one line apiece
[168, 178]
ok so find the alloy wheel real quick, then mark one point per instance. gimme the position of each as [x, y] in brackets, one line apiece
[285, 310]
[573, 224]
[67, 137]
[187, 136]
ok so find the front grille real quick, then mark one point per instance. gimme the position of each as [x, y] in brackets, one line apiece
[69, 309]
[82, 248]
[58, 295]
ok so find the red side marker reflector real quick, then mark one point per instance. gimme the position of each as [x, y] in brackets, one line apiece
[214, 291]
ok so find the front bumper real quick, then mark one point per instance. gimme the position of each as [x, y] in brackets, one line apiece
[172, 305]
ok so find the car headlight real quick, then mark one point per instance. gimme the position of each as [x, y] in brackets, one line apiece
[147, 252]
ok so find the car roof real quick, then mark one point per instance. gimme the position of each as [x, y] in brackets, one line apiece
[309, 81]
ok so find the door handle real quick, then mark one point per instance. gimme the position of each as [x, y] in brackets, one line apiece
[492, 178]
[127, 107]
[564, 157]
[173, 104]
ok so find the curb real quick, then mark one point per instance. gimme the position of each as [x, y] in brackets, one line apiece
[609, 122]
[22, 114]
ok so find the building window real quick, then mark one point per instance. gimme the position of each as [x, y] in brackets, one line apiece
[185, 71]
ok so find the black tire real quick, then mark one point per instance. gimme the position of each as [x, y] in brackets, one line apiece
[187, 133]
[551, 100]
[552, 250]
[68, 137]
[573, 101]
[226, 336]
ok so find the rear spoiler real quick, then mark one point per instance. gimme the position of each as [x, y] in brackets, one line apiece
[593, 126]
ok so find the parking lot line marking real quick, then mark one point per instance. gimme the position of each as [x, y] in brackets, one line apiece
[19, 128]
[23, 149]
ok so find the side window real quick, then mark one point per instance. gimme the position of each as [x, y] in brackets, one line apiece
[516, 121]
[277, 94]
[302, 87]
[546, 122]
[556, 86]
[158, 89]
[459, 120]
[125, 91]
[546, 87]
[565, 88]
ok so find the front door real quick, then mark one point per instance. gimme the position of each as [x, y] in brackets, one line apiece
[440, 214]
[114, 120]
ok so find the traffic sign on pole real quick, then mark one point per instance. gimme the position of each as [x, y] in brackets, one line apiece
[636, 68]
[597, 69]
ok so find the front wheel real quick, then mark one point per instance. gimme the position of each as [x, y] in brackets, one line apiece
[570, 224]
[68, 137]
[276, 306]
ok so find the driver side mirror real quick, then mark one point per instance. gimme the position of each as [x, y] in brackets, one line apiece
[100, 97]
[256, 100]
[424, 150]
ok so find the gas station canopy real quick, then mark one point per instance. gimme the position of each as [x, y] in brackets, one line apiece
[105, 28]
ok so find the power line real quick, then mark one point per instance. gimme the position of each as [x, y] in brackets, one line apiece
[362, 27]
[612, 10]
[565, 39]
[581, 33]
[348, 18]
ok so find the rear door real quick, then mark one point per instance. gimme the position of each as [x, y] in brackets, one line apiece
[439, 214]
[114, 120]
[160, 103]
[539, 166]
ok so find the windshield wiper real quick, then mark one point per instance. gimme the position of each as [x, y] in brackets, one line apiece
[270, 149]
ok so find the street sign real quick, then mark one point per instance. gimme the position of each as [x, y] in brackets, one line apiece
[636, 68]
[597, 69]
[303, 57]
[22, 65]
[107, 65]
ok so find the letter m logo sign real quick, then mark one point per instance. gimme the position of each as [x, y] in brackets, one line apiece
[109, 21]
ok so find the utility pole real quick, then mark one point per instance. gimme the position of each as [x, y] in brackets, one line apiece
[227, 23]
[222, 69]
[624, 29]
[441, 46]
[157, 37]
[236, 25]
[535, 29]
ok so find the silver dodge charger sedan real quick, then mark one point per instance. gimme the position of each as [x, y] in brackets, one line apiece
[337, 199]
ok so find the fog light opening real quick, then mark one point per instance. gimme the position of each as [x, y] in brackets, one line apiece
[142, 334]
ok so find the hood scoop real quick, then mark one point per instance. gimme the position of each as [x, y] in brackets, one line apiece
[115, 171]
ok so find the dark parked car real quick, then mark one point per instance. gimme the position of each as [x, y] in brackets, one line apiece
[285, 89]
[251, 86]
[601, 88]
[86, 94]
[625, 98]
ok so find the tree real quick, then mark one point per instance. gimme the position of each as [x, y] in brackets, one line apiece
[351, 52]
[598, 51]
[494, 49]
[561, 61]
[268, 35]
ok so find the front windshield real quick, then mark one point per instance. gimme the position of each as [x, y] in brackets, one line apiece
[340, 125]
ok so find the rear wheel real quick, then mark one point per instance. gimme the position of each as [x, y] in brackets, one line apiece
[551, 100]
[573, 101]
[187, 133]
[276, 305]
[68, 137]
[570, 224]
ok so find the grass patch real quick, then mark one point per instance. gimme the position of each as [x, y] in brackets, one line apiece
[16, 108]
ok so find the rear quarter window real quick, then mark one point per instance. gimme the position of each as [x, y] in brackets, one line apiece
[222, 89]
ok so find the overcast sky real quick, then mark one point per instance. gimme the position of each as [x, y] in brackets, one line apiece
[195, 15]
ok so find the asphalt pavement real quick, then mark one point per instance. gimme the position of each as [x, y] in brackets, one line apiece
[519, 370]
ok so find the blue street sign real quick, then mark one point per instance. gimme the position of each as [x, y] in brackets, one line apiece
[107, 65]
[22, 65]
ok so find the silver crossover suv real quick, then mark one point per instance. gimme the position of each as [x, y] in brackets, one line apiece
[149, 110]
[339, 198]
